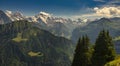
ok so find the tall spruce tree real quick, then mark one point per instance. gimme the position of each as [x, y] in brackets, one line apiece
[104, 49]
[82, 56]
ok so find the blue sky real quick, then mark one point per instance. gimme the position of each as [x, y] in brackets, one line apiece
[57, 7]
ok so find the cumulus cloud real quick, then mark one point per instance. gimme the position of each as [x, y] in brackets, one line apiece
[107, 11]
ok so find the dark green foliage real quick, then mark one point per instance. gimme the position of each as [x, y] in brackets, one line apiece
[104, 49]
[82, 55]
[55, 51]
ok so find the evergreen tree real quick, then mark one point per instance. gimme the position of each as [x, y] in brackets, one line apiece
[104, 49]
[82, 56]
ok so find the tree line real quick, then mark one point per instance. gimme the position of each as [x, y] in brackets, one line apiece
[99, 54]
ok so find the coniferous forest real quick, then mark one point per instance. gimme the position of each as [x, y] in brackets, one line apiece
[102, 52]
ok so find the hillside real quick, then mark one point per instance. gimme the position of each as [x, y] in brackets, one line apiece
[115, 62]
[22, 44]
[93, 28]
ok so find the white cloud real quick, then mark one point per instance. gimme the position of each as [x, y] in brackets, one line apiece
[107, 12]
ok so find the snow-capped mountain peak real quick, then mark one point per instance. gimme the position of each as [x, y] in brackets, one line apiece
[43, 16]
[8, 12]
[18, 16]
[32, 19]
[4, 18]
[15, 16]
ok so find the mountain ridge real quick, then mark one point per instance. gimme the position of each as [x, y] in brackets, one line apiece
[36, 46]
[93, 28]
[49, 22]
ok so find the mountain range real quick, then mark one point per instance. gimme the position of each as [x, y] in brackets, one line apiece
[23, 44]
[93, 28]
[49, 22]
[68, 28]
